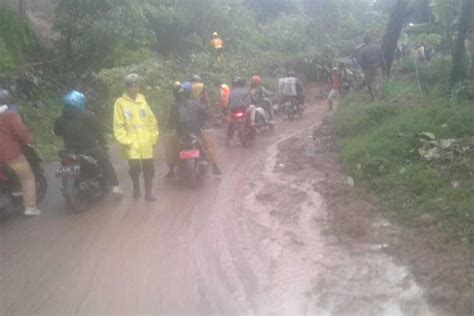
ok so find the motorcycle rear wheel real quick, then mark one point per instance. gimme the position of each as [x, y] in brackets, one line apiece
[41, 187]
[243, 135]
[75, 201]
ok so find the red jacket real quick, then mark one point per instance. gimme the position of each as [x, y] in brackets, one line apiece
[13, 134]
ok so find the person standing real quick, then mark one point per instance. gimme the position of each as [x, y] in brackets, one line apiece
[136, 129]
[372, 62]
[218, 47]
[14, 135]
[334, 97]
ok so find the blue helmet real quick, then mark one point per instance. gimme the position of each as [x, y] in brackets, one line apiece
[186, 89]
[75, 99]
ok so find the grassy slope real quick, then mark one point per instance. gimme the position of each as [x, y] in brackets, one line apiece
[377, 145]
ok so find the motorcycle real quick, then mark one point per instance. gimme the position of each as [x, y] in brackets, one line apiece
[83, 181]
[11, 196]
[292, 107]
[192, 166]
[262, 119]
[241, 124]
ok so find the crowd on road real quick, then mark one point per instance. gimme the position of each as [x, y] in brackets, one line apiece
[135, 127]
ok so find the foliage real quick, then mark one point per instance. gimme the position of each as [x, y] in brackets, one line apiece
[464, 90]
[16, 39]
[289, 34]
[380, 145]
[92, 29]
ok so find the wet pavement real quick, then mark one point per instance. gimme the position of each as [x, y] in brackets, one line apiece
[252, 242]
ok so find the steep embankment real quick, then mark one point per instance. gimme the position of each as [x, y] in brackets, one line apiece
[40, 15]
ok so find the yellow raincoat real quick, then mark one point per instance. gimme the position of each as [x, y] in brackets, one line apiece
[135, 127]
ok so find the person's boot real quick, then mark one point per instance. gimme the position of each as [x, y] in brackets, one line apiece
[149, 189]
[215, 170]
[136, 189]
[170, 175]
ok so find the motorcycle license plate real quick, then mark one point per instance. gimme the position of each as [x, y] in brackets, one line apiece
[189, 154]
[68, 171]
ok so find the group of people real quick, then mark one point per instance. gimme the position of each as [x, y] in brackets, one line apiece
[134, 127]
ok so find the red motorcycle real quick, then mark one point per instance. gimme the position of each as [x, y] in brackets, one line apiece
[240, 123]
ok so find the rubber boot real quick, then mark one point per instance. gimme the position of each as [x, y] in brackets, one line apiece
[149, 188]
[136, 188]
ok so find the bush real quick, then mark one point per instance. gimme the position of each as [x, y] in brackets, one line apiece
[434, 75]
[464, 90]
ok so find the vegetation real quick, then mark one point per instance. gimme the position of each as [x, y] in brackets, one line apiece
[415, 151]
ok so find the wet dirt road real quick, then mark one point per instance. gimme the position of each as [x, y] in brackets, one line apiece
[253, 242]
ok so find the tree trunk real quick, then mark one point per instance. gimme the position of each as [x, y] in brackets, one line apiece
[398, 17]
[459, 71]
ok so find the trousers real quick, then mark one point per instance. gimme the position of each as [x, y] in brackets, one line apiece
[22, 169]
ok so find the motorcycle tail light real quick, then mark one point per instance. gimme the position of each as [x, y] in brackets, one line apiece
[69, 162]
[239, 114]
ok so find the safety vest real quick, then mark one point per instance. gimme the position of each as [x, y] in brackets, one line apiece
[197, 90]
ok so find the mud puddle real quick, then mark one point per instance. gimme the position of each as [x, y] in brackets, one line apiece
[304, 268]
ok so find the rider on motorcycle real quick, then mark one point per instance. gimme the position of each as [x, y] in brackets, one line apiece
[299, 88]
[239, 98]
[14, 134]
[258, 96]
[199, 91]
[82, 133]
[188, 116]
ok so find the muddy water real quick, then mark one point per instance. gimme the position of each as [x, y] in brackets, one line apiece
[254, 242]
[303, 270]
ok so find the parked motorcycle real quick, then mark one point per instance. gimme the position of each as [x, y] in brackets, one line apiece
[11, 196]
[240, 122]
[192, 166]
[83, 181]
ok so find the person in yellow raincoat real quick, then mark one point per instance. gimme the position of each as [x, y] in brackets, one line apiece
[136, 129]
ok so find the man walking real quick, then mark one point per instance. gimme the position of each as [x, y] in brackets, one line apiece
[372, 62]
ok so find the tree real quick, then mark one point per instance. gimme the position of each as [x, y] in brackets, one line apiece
[460, 69]
[398, 17]
[91, 30]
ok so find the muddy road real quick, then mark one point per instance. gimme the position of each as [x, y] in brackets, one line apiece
[252, 242]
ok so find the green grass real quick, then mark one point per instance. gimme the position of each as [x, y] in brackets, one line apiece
[379, 145]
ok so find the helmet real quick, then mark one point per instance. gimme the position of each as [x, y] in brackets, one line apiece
[215, 34]
[255, 81]
[5, 97]
[75, 99]
[176, 88]
[196, 78]
[335, 69]
[131, 80]
[238, 82]
[184, 90]
[291, 74]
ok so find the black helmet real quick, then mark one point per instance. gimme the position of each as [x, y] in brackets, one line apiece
[5, 97]
[238, 82]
